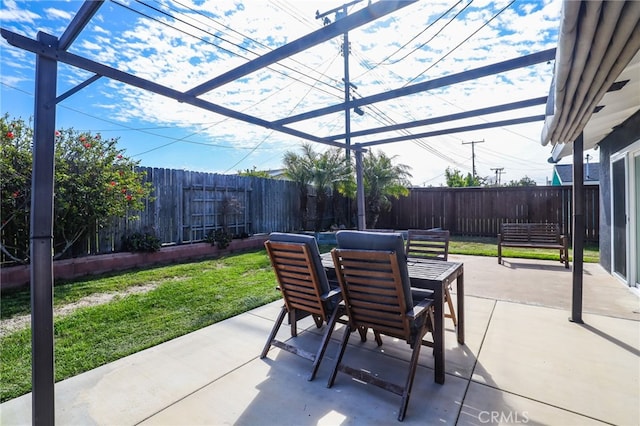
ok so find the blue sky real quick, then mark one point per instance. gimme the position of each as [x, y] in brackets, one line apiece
[182, 43]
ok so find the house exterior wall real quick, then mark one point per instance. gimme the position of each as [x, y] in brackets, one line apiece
[626, 134]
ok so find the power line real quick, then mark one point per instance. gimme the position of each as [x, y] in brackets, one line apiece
[436, 34]
[413, 38]
[270, 133]
[460, 44]
[253, 40]
[217, 45]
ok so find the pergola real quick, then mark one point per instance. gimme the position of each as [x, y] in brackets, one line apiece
[51, 50]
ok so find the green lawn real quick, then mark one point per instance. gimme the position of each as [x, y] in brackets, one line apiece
[482, 246]
[185, 297]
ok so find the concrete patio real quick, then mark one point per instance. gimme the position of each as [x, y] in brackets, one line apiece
[523, 362]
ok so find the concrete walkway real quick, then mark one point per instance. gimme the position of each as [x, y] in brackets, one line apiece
[523, 362]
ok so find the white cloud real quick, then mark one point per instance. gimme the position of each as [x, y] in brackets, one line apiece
[53, 13]
[11, 12]
[167, 55]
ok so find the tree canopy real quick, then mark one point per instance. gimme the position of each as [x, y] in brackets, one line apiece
[94, 183]
[455, 179]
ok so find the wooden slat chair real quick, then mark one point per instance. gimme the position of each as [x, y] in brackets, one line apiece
[377, 295]
[305, 289]
[431, 244]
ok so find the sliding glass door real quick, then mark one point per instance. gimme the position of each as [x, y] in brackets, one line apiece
[619, 217]
[625, 214]
[636, 252]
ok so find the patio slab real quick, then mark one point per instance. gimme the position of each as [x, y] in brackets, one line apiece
[592, 369]
[522, 358]
[547, 283]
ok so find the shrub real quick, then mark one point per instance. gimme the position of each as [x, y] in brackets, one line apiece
[223, 238]
[141, 242]
[94, 183]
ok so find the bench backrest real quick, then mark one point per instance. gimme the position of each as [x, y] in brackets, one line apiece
[541, 233]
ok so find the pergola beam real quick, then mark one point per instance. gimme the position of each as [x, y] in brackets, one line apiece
[445, 118]
[79, 21]
[511, 64]
[490, 125]
[341, 26]
[77, 61]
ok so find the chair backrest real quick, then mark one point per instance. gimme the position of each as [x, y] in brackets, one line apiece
[393, 242]
[314, 252]
[373, 291]
[428, 244]
[302, 279]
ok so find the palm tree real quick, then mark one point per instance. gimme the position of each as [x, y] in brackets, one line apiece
[382, 180]
[330, 171]
[325, 171]
[298, 168]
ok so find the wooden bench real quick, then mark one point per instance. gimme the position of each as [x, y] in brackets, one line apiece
[533, 235]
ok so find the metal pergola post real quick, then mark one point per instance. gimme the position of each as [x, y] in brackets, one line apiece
[362, 223]
[41, 235]
[578, 229]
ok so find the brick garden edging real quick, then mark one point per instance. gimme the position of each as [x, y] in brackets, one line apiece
[18, 276]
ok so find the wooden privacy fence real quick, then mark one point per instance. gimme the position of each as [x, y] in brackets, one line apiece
[480, 211]
[187, 205]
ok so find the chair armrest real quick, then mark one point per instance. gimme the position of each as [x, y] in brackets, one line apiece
[420, 308]
[421, 293]
[331, 294]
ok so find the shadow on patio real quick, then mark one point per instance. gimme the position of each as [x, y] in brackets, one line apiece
[523, 362]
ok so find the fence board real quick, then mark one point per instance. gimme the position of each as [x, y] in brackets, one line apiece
[480, 211]
[185, 205]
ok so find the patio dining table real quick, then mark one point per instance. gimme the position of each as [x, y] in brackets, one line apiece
[432, 275]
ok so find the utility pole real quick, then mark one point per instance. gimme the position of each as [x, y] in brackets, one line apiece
[473, 155]
[499, 171]
[341, 12]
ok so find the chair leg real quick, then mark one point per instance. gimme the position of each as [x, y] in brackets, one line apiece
[452, 312]
[293, 319]
[318, 320]
[363, 333]
[337, 312]
[274, 331]
[415, 355]
[343, 346]
[378, 338]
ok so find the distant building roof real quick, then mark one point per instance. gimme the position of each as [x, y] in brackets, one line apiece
[563, 174]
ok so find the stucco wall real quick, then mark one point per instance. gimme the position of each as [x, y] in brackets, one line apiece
[623, 136]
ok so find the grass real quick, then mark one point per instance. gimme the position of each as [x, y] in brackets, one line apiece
[487, 246]
[186, 297]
